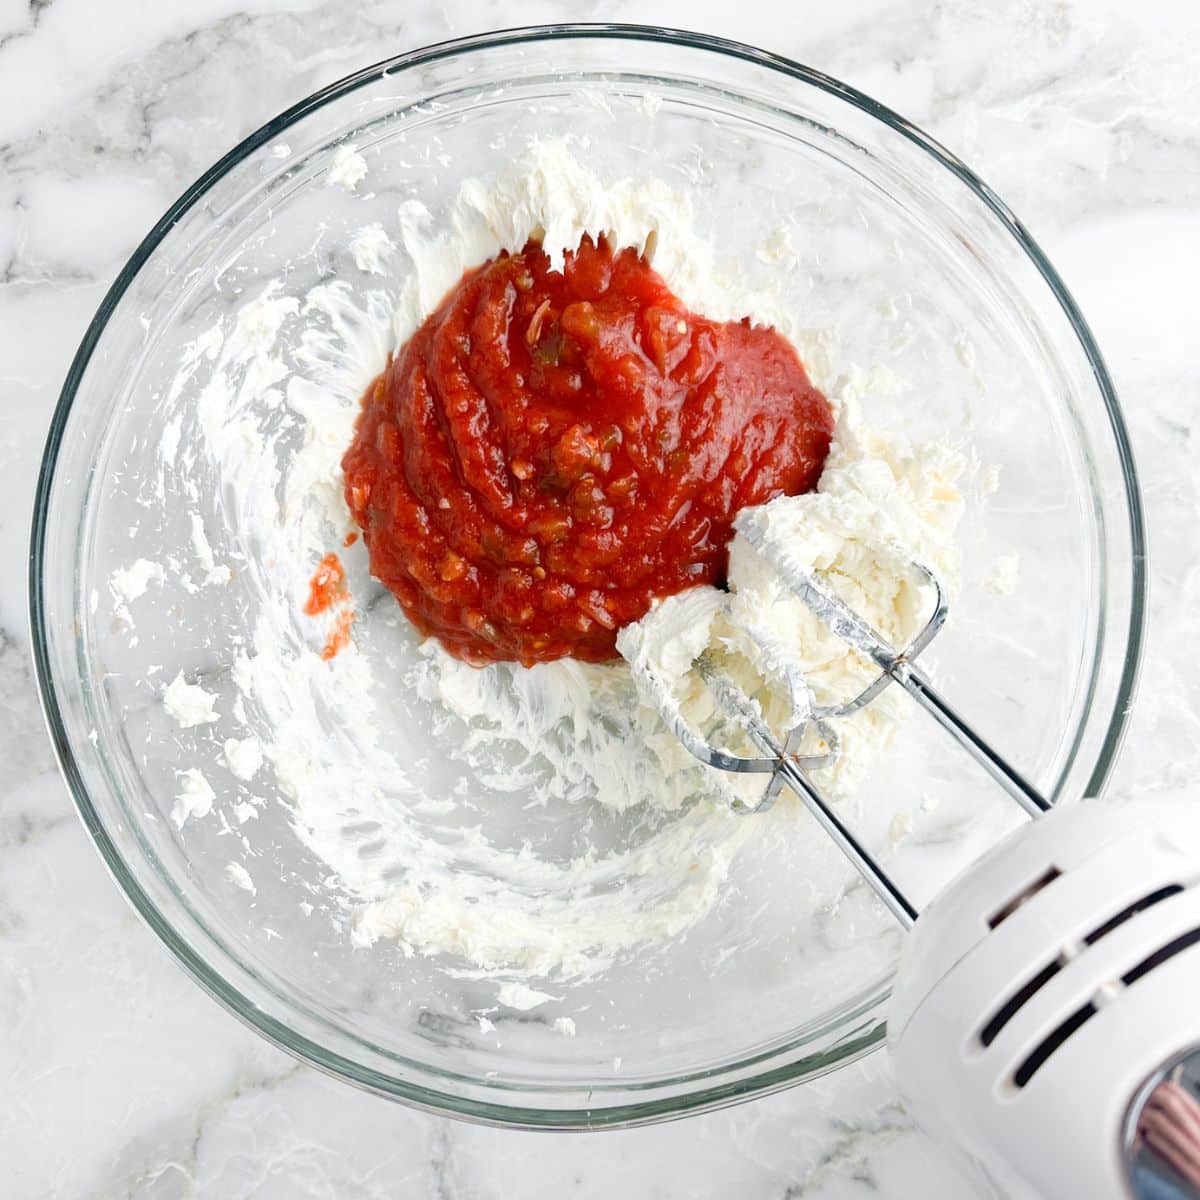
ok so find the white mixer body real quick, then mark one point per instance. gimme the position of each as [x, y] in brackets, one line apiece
[1045, 992]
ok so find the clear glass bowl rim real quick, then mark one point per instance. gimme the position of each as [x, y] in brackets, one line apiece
[768, 1078]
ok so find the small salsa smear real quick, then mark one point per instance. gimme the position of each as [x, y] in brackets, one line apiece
[338, 637]
[326, 589]
[327, 586]
[552, 451]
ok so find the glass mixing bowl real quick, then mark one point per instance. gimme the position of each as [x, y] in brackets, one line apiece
[901, 252]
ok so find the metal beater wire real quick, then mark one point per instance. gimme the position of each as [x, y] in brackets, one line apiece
[895, 666]
[734, 701]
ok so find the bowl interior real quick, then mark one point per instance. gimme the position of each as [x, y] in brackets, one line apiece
[893, 258]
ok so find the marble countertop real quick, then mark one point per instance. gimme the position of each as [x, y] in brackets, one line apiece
[119, 1077]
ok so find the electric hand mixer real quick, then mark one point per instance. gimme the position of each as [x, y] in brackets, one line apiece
[1046, 1012]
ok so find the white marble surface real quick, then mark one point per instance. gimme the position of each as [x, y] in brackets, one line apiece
[117, 1076]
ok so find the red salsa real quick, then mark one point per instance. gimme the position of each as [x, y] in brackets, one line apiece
[327, 586]
[328, 589]
[553, 450]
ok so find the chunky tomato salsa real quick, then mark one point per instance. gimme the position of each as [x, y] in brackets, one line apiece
[553, 450]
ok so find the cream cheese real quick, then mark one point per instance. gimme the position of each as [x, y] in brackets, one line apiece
[130, 583]
[522, 997]
[240, 877]
[194, 798]
[188, 704]
[882, 503]
[348, 168]
[243, 756]
[371, 248]
[213, 572]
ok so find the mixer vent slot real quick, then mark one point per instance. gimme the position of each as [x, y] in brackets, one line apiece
[1163, 893]
[1042, 1051]
[1026, 893]
[1160, 956]
[1018, 1000]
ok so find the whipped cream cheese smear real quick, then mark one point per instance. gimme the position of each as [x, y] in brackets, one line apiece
[424, 837]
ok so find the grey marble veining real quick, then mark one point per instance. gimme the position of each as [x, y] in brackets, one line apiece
[118, 1077]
